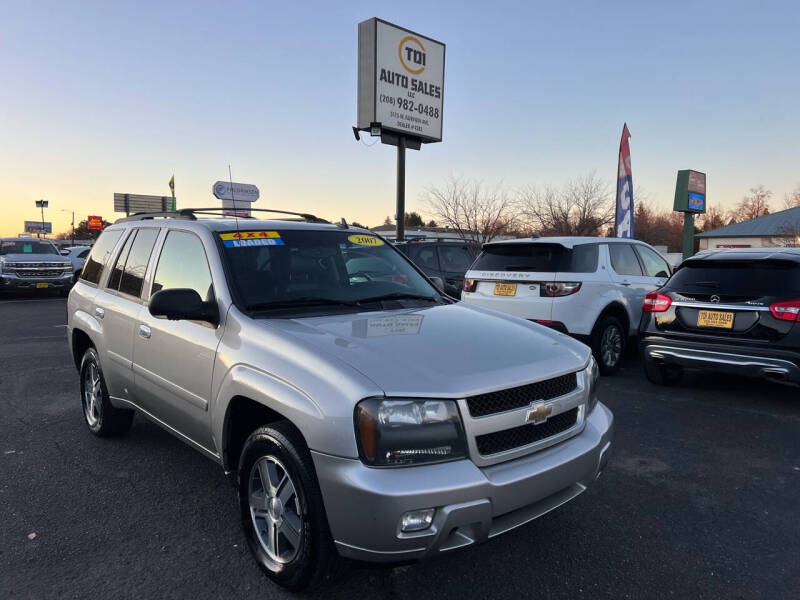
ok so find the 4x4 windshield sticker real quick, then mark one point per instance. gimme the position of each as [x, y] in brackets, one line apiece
[245, 239]
[365, 240]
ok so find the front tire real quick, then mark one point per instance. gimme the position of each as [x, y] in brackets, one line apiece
[608, 344]
[282, 513]
[102, 418]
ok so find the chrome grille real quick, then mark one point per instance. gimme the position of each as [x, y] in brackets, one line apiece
[516, 437]
[524, 395]
[36, 273]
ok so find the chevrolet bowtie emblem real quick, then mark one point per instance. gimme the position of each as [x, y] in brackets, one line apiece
[539, 413]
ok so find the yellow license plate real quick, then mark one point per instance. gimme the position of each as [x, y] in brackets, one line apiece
[715, 318]
[41, 285]
[505, 289]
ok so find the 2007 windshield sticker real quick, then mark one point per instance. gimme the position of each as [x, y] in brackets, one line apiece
[246, 239]
[365, 240]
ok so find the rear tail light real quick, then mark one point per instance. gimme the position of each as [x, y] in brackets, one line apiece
[560, 288]
[470, 285]
[787, 310]
[655, 302]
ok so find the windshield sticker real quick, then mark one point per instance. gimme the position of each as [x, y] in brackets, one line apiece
[245, 239]
[365, 240]
[27, 248]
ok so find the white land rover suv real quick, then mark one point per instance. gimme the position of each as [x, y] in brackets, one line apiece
[589, 287]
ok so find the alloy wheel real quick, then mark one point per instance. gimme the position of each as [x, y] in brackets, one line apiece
[92, 395]
[275, 509]
[611, 345]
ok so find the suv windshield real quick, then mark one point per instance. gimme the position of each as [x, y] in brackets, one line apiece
[27, 247]
[541, 258]
[745, 278]
[295, 268]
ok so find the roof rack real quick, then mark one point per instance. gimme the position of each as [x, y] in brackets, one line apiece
[190, 214]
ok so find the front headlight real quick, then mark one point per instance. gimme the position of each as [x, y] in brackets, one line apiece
[408, 432]
[592, 375]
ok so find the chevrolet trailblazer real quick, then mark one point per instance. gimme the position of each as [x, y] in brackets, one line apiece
[315, 364]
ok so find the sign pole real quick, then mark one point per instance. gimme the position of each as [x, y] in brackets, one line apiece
[401, 189]
[688, 234]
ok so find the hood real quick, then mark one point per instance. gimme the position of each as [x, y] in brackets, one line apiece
[448, 351]
[37, 258]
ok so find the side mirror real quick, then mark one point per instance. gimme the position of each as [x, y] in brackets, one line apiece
[438, 282]
[183, 304]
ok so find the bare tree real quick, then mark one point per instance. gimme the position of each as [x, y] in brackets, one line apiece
[755, 205]
[712, 219]
[584, 206]
[792, 199]
[473, 211]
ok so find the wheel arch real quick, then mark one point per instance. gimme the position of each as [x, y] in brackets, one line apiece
[80, 342]
[249, 398]
[617, 310]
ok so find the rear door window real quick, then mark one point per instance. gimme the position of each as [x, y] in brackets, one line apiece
[101, 251]
[623, 259]
[424, 256]
[454, 258]
[136, 264]
[119, 265]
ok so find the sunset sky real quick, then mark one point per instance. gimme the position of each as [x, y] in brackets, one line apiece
[104, 97]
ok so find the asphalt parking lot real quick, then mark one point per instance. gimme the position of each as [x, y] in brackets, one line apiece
[700, 500]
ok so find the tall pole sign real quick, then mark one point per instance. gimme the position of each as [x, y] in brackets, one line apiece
[623, 223]
[400, 92]
[690, 199]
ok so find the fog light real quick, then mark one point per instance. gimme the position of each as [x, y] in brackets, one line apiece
[417, 520]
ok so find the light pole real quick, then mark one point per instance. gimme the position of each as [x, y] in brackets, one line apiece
[42, 204]
[73, 222]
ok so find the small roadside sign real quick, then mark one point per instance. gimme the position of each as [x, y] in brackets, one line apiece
[95, 222]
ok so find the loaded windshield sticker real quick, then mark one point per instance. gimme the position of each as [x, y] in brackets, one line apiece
[245, 239]
[365, 240]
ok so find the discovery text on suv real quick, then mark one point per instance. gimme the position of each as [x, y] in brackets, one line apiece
[329, 392]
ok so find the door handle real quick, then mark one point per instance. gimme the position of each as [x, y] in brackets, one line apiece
[625, 283]
[144, 332]
[99, 312]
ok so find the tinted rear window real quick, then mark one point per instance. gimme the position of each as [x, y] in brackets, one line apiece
[738, 278]
[540, 258]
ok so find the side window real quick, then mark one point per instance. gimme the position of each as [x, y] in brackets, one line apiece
[116, 272]
[424, 256]
[654, 264]
[454, 258]
[83, 253]
[584, 258]
[93, 269]
[183, 264]
[623, 259]
[136, 264]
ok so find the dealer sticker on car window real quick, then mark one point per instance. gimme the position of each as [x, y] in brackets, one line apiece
[365, 240]
[245, 239]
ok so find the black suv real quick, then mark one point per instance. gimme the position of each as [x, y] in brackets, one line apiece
[726, 310]
[448, 260]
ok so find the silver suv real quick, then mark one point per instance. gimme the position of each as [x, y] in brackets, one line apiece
[360, 412]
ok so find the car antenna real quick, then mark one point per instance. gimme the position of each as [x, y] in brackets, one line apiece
[342, 224]
[233, 201]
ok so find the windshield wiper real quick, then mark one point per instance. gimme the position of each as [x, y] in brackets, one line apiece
[517, 268]
[399, 296]
[711, 284]
[302, 302]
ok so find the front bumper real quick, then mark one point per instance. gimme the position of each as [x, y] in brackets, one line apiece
[364, 505]
[10, 281]
[770, 363]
